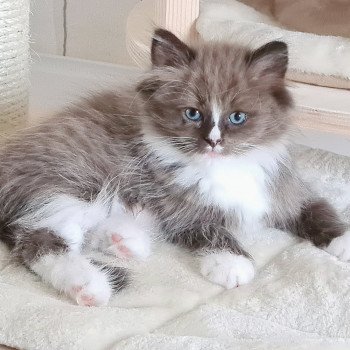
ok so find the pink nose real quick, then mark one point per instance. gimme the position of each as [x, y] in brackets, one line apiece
[212, 142]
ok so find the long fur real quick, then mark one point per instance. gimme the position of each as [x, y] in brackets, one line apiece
[67, 179]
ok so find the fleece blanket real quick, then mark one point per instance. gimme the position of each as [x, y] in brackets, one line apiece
[317, 59]
[300, 298]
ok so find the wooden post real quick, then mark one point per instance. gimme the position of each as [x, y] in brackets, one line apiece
[178, 16]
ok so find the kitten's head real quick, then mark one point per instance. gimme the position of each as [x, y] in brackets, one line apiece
[216, 99]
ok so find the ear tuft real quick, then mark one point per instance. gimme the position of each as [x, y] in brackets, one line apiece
[168, 50]
[270, 60]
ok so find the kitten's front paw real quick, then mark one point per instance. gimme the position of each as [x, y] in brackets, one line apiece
[340, 247]
[227, 269]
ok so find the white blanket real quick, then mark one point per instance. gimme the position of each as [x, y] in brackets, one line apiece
[236, 22]
[300, 298]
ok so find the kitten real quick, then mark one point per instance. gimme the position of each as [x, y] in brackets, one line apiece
[200, 144]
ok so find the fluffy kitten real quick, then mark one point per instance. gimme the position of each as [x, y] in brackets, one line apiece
[199, 144]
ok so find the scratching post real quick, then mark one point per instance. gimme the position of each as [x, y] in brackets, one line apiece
[14, 61]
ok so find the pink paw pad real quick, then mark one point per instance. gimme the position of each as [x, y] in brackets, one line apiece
[118, 242]
[86, 300]
[83, 299]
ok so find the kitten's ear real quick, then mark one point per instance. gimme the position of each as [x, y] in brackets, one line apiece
[270, 60]
[168, 50]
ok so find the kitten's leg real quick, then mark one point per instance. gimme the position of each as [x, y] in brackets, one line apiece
[222, 260]
[50, 257]
[319, 223]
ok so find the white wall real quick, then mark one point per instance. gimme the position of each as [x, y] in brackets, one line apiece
[95, 28]
[46, 26]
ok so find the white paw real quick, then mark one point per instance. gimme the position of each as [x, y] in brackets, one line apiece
[340, 247]
[125, 236]
[134, 244]
[227, 269]
[94, 292]
[74, 275]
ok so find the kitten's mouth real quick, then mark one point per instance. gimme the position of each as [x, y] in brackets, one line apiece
[215, 152]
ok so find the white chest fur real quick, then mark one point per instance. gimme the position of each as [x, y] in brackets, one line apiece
[235, 187]
[234, 183]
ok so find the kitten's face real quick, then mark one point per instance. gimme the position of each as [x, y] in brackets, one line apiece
[217, 100]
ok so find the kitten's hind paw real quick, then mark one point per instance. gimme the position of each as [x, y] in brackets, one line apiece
[129, 245]
[227, 269]
[83, 298]
[340, 247]
[127, 235]
[93, 293]
[118, 245]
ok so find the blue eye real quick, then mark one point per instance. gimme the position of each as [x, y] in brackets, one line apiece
[193, 114]
[238, 118]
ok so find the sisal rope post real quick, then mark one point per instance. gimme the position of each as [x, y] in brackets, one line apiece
[14, 63]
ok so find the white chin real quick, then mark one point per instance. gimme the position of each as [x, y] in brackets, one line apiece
[214, 153]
